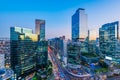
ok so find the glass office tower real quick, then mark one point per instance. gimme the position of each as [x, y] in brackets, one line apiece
[40, 29]
[23, 51]
[108, 36]
[42, 54]
[79, 25]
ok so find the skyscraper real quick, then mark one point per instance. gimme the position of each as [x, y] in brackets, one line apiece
[108, 37]
[28, 53]
[23, 51]
[42, 48]
[40, 29]
[60, 44]
[42, 51]
[79, 25]
[42, 54]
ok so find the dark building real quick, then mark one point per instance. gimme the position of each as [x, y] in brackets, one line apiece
[108, 36]
[73, 52]
[23, 51]
[42, 54]
[29, 52]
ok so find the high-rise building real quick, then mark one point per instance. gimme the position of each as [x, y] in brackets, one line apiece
[42, 48]
[40, 29]
[108, 37]
[79, 25]
[23, 51]
[28, 53]
[42, 54]
[60, 44]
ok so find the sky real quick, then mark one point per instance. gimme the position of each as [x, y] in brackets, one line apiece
[57, 13]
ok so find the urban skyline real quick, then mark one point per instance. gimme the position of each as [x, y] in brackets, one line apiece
[15, 16]
[78, 41]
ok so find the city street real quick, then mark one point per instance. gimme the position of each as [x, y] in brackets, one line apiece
[63, 73]
[58, 70]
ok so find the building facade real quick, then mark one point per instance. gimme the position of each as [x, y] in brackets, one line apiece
[73, 53]
[29, 53]
[5, 51]
[79, 25]
[23, 51]
[40, 28]
[42, 54]
[60, 45]
[108, 36]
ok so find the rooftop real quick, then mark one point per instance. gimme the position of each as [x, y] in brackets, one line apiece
[80, 9]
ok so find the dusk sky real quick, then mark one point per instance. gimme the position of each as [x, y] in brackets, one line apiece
[57, 14]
